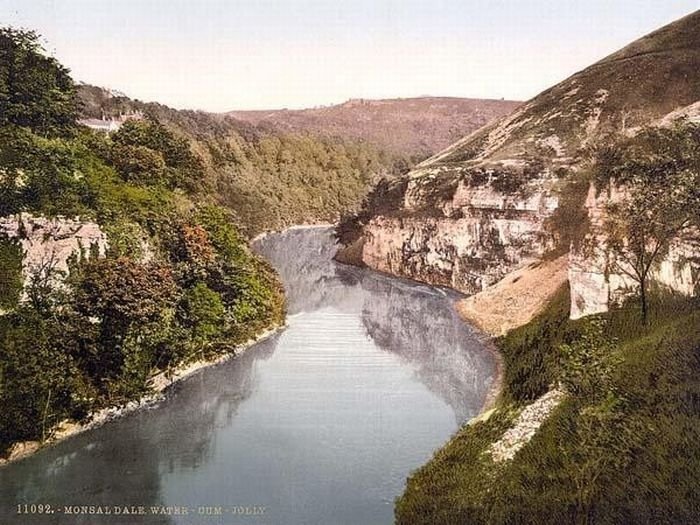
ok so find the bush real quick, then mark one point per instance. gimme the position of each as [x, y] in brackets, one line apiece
[11, 281]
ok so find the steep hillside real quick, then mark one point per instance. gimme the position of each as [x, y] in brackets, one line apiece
[621, 446]
[513, 191]
[419, 127]
[642, 82]
[595, 181]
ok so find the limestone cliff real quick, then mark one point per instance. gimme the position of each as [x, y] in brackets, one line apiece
[475, 236]
[482, 208]
[594, 279]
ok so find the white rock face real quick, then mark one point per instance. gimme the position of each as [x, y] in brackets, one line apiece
[528, 423]
[595, 287]
[49, 243]
[478, 236]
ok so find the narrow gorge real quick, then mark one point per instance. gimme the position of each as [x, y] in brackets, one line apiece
[515, 192]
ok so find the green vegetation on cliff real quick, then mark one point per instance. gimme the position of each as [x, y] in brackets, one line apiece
[178, 281]
[622, 448]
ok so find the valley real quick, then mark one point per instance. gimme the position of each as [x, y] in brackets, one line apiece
[431, 310]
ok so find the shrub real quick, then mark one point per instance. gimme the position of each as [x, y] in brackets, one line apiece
[201, 310]
[11, 281]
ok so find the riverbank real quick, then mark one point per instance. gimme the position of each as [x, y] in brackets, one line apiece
[491, 399]
[159, 383]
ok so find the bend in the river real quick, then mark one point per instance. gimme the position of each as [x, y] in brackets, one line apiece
[321, 423]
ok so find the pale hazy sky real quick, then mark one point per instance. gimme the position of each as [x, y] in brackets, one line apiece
[219, 55]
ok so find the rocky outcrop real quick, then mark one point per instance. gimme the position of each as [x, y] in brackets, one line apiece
[479, 235]
[595, 283]
[49, 243]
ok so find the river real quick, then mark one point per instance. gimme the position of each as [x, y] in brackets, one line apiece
[319, 424]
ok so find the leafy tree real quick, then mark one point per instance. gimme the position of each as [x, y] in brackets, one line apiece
[126, 239]
[121, 291]
[161, 156]
[202, 311]
[191, 252]
[122, 296]
[225, 238]
[138, 164]
[43, 294]
[654, 182]
[36, 91]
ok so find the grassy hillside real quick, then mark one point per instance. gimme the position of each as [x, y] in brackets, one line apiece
[623, 448]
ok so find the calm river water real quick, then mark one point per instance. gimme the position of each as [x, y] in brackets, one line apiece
[320, 424]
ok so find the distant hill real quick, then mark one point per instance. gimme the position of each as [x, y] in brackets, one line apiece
[418, 127]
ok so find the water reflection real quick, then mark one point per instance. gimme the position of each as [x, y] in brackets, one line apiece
[319, 424]
[122, 463]
[416, 322]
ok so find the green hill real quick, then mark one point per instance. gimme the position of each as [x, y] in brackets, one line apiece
[269, 178]
[168, 279]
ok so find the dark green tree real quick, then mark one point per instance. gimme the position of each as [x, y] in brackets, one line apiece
[10, 272]
[36, 91]
[36, 377]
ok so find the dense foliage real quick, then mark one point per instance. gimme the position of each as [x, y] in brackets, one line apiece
[177, 283]
[268, 178]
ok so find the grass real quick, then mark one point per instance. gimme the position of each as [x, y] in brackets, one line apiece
[624, 448]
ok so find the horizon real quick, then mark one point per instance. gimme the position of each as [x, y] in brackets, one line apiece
[220, 56]
[361, 99]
